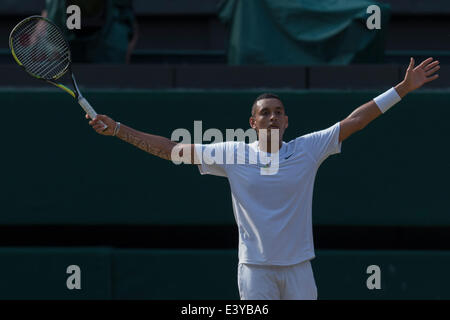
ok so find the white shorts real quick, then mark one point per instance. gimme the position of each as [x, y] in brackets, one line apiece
[261, 282]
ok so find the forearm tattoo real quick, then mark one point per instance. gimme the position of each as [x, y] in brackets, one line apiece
[144, 145]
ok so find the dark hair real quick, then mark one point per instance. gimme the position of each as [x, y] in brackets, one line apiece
[267, 96]
[264, 96]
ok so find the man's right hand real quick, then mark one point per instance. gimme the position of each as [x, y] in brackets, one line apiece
[98, 126]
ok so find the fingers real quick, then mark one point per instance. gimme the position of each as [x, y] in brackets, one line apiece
[433, 70]
[432, 78]
[99, 118]
[94, 121]
[102, 124]
[411, 63]
[99, 127]
[431, 65]
[424, 63]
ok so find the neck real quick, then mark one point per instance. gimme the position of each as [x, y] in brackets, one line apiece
[269, 146]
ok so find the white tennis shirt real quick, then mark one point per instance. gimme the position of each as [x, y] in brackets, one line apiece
[272, 211]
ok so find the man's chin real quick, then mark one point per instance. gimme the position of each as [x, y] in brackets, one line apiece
[271, 132]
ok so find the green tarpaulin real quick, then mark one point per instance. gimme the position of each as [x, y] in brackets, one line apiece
[105, 42]
[302, 32]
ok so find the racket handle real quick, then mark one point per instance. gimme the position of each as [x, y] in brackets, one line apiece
[89, 110]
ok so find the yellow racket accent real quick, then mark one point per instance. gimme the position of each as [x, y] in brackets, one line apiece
[47, 57]
[14, 56]
[56, 77]
[65, 89]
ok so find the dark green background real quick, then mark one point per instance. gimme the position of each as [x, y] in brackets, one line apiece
[57, 170]
[106, 273]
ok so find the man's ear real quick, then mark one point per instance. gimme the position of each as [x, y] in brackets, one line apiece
[287, 122]
[252, 122]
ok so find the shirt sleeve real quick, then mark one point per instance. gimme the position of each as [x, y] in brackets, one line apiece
[212, 158]
[324, 143]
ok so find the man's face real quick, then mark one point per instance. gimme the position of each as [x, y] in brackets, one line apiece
[269, 114]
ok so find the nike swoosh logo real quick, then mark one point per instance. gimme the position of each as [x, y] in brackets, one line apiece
[288, 157]
[267, 165]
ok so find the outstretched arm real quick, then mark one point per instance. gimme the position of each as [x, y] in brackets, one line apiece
[415, 78]
[155, 145]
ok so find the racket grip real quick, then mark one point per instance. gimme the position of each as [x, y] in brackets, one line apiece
[89, 110]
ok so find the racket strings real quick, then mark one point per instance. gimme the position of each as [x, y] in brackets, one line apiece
[40, 52]
[41, 49]
[46, 59]
[39, 45]
[52, 70]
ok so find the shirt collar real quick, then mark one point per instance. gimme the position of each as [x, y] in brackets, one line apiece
[281, 152]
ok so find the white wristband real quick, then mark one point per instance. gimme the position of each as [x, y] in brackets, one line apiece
[386, 100]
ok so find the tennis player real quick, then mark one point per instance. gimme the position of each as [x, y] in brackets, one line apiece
[273, 211]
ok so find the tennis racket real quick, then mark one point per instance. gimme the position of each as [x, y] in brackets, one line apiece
[39, 46]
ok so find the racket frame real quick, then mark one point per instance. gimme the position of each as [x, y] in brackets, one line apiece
[74, 93]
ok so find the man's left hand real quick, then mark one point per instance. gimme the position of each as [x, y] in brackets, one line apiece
[417, 76]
